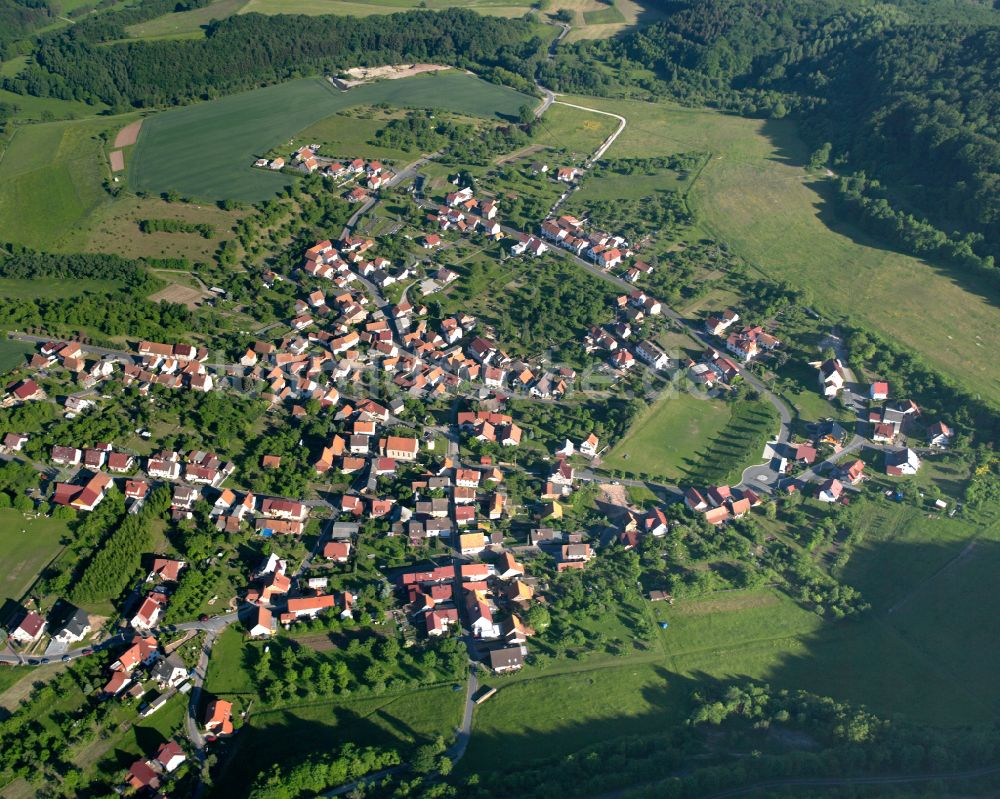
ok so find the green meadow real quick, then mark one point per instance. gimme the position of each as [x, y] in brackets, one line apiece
[50, 179]
[26, 546]
[205, 151]
[667, 441]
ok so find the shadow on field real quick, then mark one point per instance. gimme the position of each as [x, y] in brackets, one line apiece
[789, 149]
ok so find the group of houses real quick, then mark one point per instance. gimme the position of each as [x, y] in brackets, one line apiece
[308, 161]
[66, 624]
[621, 342]
[465, 213]
[720, 504]
[607, 250]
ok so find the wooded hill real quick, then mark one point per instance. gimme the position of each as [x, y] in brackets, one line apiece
[906, 92]
[250, 50]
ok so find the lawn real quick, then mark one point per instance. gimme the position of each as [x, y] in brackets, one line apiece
[26, 545]
[667, 439]
[396, 722]
[50, 180]
[226, 674]
[755, 195]
[205, 150]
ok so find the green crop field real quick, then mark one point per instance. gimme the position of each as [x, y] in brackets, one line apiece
[26, 545]
[667, 439]
[754, 195]
[206, 150]
[50, 180]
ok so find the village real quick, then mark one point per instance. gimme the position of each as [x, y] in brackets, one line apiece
[477, 556]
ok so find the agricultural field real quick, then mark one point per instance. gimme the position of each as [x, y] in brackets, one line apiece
[755, 195]
[668, 439]
[595, 19]
[205, 151]
[50, 180]
[26, 546]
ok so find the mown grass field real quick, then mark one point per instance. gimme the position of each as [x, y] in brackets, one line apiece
[205, 151]
[755, 195]
[667, 439]
[580, 132]
[26, 545]
[115, 229]
[17, 288]
[50, 180]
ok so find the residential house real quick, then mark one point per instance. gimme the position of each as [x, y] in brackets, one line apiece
[902, 462]
[830, 491]
[832, 377]
[170, 672]
[507, 659]
[261, 623]
[29, 628]
[939, 435]
[878, 391]
[73, 627]
[219, 717]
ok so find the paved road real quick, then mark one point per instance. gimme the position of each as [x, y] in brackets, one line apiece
[457, 749]
[588, 476]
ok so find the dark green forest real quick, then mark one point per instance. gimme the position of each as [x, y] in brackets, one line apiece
[249, 50]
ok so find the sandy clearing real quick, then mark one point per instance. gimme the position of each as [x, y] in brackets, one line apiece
[365, 74]
[177, 293]
[127, 135]
[117, 158]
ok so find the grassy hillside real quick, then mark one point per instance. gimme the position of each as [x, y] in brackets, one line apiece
[50, 179]
[755, 195]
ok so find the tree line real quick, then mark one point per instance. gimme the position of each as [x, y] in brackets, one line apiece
[248, 50]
